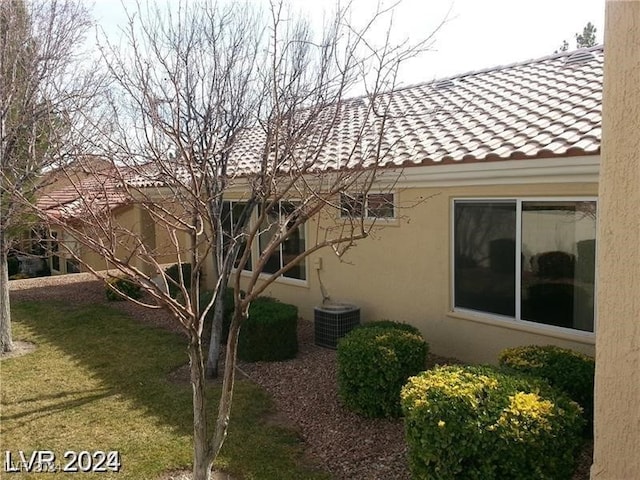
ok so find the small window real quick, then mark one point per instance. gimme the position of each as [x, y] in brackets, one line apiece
[374, 205]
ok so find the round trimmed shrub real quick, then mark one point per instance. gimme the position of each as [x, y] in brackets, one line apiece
[126, 286]
[481, 423]
[391, 324]
[565, 369]
[270, 333]
[374, 362]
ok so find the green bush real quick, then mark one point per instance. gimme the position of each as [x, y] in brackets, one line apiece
[270, 333]
[480, 423]
[125, 285]
[19, 276]
[374, 362]
[173, 273]
[13, 265]
[391, 324]
[44, 270]
[565, 369]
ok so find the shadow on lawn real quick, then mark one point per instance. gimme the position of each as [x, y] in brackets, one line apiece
[127, 358]
[79, 398]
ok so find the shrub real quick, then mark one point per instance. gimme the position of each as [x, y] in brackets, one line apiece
[13, 265]
[480, 423]
[374, 362]
[174, 274]
[125, 285]
[19, 276]
[565, 369]
[44, 270]
[391, 324]
[270, 332]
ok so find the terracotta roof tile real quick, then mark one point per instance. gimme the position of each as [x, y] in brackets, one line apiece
[99, 192]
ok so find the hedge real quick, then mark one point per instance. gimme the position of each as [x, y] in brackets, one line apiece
[480, 423]
[270, 333]
[126, 286]
[374, 362]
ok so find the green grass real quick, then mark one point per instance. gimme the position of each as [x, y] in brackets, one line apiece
[98, 381]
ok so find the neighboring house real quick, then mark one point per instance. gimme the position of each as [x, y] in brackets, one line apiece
[83, 196]
[64, 198]
[486, 210]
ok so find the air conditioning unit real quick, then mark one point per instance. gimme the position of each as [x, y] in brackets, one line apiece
[334, 321]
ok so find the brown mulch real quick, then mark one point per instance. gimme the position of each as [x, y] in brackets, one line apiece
[304, 391]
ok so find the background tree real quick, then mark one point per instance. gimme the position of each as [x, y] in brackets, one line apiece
[585, 39]
[40, 88]
[212, 103]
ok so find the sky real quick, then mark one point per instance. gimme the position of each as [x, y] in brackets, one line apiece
[477, 34]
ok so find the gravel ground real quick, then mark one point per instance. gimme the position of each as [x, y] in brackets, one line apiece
[304, 391]
[349, 446]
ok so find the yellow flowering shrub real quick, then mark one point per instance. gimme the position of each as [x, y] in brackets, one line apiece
[480, 423]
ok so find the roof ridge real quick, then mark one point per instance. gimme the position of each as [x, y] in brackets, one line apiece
[495, 68]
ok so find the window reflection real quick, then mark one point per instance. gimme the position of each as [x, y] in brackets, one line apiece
[558, 251]
[555, 254]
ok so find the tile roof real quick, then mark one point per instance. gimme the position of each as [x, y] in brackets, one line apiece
[541, 108]
[547, 107]
[98, 192]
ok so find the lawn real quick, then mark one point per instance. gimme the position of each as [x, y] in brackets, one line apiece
[98, 382]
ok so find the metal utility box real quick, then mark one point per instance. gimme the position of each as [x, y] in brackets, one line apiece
[334, 321]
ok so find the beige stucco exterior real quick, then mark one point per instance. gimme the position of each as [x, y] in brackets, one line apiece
[403, 272]
[133, 223]
[617, 413]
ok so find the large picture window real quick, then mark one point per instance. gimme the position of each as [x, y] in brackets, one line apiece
[231, 215]
[533, 260]
[289, 248]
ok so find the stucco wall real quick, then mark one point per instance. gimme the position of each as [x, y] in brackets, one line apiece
[617, 414]
[132, 218]
[403, 272]
[126, 217]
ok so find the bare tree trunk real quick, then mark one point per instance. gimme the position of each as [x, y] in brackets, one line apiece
[216, 338]
[226, 396]
[6, 340]
[202, 458]
[216, 330]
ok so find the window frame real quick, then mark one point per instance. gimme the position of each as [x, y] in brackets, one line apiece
[255, 247]
[231, 203]
[54, 252]
[365, 206]
[517, 318]
[284, 277]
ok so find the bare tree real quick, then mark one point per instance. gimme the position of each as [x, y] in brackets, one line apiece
[40, 89]
[231, 131]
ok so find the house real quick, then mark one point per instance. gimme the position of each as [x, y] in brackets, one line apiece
[485, 213]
